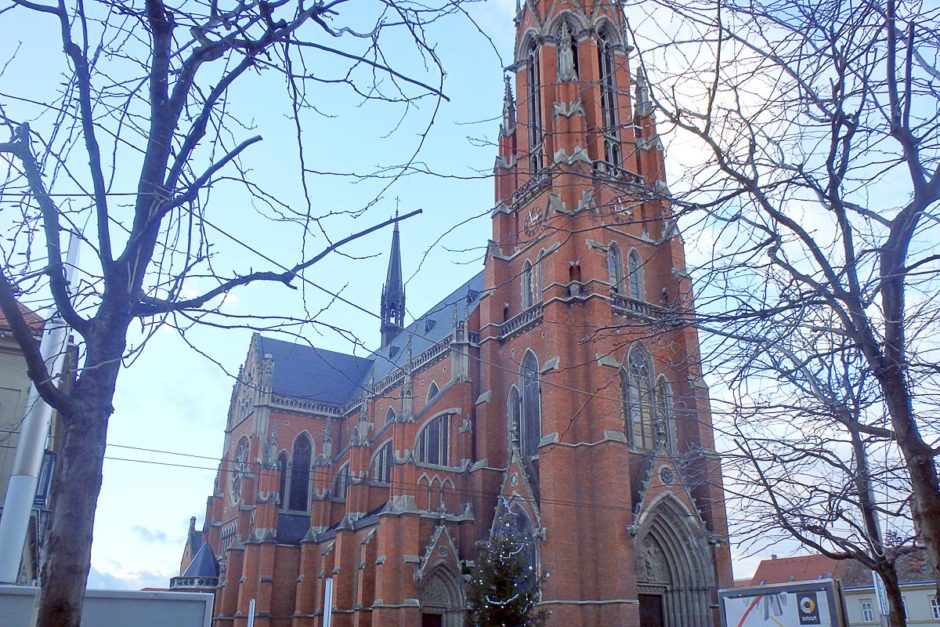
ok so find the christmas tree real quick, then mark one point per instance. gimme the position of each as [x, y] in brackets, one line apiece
[505, 587]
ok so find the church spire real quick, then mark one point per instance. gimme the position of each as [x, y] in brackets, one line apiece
[393, 293]
[508, 126]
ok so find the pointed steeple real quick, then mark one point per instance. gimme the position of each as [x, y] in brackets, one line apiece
[508, 126]
[393, 293]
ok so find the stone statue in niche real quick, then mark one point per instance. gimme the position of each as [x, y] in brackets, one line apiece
[566, 61]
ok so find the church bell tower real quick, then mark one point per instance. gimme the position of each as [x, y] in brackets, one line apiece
[601, 406]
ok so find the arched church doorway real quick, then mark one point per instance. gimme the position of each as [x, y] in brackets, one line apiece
[441, 600]
[674, 570]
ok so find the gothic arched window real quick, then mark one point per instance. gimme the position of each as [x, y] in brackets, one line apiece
[665, 416]
[528, 296]
[382, 464]
[605, 52]
[531, 432]
[514, 411]
[535, 110]
[615, 268]
[341, 483]
[432, 391]
[538, 276]
[390, 416]
[282, 465]
[637, 389]
[635, 274]
[433, 441]
[300, 473]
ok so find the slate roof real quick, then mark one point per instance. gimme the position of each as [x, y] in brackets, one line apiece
[319, 375]
[429, 329]
[204, 564]
[314, 374]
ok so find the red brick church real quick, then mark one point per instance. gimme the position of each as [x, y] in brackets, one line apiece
[560, 382]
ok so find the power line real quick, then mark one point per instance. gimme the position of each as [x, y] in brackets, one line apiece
[331, 476]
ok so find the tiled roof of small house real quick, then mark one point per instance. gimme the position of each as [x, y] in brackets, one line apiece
[911, 567]
[800, 568]
[32, 319]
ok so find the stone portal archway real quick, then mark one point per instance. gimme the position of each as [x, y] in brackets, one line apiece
[674, 568]
[442, 603]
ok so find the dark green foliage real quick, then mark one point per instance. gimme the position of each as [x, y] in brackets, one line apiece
[505, 586]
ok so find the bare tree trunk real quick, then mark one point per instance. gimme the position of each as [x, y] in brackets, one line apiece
[77, 481]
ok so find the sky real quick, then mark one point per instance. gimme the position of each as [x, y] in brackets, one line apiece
[166, 433]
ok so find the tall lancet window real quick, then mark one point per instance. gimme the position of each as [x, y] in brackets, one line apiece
[615, 268]
[665, 421]
[528, 294]
[637, 389]
[300, 473]
[282, 465]
[531, 407]
[535, 110]
[514, 406]
[605, 51]
[635, 272]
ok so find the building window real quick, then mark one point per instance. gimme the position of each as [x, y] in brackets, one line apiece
[935, 608]
[514, 411]
[282, 465]
[390, 416]
[531, 433]
[538, 276]
[636, 387]
[605, 51]
[432, 391]
[867, 615]
[433, 441]
[300, 474]
[528, 296]
[382, 464]
[535, 110]
[635, 272]
[615, 268]
[341, 483]
[665, 417]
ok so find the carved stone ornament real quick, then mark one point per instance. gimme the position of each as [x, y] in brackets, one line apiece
[667, 475]
[566, 71]
[651, 566]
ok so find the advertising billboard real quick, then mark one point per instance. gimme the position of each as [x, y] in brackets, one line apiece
[816, 603]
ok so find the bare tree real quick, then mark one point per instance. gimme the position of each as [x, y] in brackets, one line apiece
[818, 192]
[146, 104]
[811, 459]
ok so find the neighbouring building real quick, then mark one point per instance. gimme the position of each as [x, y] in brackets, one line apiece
[14, 390]
[561, 382]
[918, 591]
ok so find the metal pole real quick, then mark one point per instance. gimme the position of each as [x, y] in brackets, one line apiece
[328, 602]
[21, 491]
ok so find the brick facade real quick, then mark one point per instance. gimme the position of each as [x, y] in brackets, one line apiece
[609, 450]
